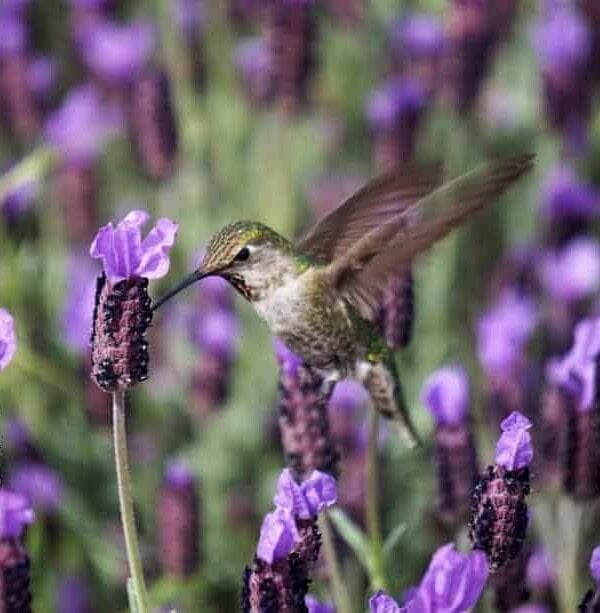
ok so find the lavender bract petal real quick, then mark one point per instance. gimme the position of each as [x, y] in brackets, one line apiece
[320, 492]
[446, 395]
[278, 535]
[8, 338]
[290, 497]
[15, 514]
[514, 449]
[154, 261]
[39, 483]
[315, 606]
[288, 360]
[382, 603]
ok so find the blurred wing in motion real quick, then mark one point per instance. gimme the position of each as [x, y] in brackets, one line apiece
[375, 204]
[361, 273]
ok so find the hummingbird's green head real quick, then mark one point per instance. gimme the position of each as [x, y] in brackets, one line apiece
[251, 256]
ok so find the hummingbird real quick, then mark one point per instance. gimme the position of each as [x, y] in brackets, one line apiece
[322, 294]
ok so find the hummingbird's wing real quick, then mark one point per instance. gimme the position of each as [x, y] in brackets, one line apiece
[373, 205]
[361, 274]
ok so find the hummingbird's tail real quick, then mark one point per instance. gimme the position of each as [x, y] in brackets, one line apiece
[383, 384]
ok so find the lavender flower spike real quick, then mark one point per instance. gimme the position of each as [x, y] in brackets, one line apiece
[8, 339]
[126, 255]
[446, 395]
[306, 500]
[514, 449]
[15, 514]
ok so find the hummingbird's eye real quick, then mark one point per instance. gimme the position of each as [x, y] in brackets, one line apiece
[242, 255]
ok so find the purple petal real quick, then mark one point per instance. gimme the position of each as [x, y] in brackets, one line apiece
[217, 333]
[278, 535]
[289, 362]
[454, 581]
[320, 492]
[348, 397]
[388, 104]
[573, 272]
[13, 34]
[118, 52]
[514, 449]
[178, 473]
[446, 395]
[8, 338]
[540, 570]
[39, 483]
[419, 36]
[315, 606]
[382, 603]
[565, 196]
[15, 514]
[154, 262]
[595, 565]
[290, 497]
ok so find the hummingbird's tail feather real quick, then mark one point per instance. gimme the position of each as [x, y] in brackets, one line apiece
[382, 382]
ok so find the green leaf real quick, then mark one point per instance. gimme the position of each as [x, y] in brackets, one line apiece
[393, 539]
[355, 538]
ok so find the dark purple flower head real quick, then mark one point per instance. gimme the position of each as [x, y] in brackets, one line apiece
[503, 331]
[307, 499]
[514, 449]
[39, 483]
[8, 338]
[382, 603]
[420, 35]
[595, 565]
[572, 272]
[13, 34]
[576, 371]
[188, 15]
[41, 75]
[73, 596]
[278, 535]
[79, 302]
[289, 362]
[315, 606]
[178, 473]
[15, 514]
[446, 394]
[217, 332]
[124, 253]
[562, 39]
[117, 52]
[540, 570]
[565, 196]
[390, 102]
[80, 128]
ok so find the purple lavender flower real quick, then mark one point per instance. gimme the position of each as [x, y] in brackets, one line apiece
[288, 360]
[13, 34]
[453, 583]
[15, 514]
[278, 535]
[595, 565]
[316, 606]
[514, 449]
[576, 371]
[118, 52]
[393, 101]
[418, 36]
[179, 474]
[503, 331]
[307, 499]
[253, 61]
[540, 570]
[446, 395]
[39, 483]
[41, 75]
[8, 338]
[565, 197]
[80, 128]
[78, 308]
[572, 273]
[123, 252]
[217, 333]
[73, 596]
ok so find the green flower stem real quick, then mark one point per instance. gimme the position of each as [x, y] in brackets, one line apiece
[341, 596]
[126, 503]
[378, 579]
[568, 536]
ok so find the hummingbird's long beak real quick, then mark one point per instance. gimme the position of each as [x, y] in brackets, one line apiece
[195, 276]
